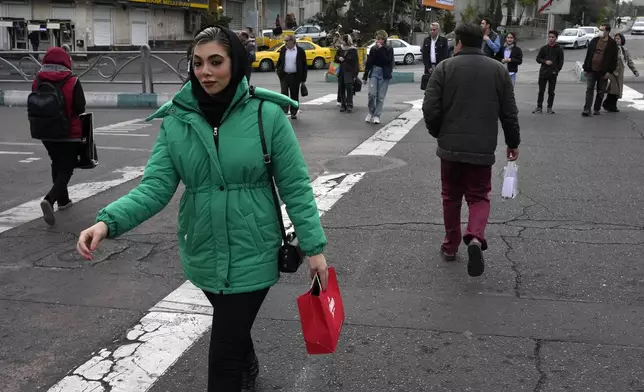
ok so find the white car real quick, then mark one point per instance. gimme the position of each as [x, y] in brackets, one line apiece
[638, 28]
[314, 32]
[591, 31]
[403, 51]
[573, 38]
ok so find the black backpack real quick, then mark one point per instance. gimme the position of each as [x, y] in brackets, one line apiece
[46, 111]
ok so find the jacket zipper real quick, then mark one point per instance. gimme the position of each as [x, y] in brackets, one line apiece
[215, 130]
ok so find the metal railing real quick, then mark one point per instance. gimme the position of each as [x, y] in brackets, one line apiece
[102, 67]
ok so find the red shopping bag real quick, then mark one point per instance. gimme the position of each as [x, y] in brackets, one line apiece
[322, 316]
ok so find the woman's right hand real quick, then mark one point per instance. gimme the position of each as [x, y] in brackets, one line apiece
[90, 238]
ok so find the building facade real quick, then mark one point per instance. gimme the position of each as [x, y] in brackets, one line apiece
[94, 25]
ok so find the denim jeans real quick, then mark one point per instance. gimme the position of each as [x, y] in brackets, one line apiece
[378, 86]
[513, 78]
[595, 79]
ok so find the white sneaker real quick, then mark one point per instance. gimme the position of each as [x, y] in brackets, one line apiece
[338, 103]
[376, 120]
[368, 118]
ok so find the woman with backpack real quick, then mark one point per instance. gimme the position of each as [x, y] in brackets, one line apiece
[54, 119]
[212, 139]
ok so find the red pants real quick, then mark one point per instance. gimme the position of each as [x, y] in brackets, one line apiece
[475, 183]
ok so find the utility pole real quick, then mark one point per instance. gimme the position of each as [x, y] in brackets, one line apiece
[393, 8]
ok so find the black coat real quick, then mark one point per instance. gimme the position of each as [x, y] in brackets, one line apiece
[554, 54]
[442, 50]
[465, 98]
[351, 64]
[302, 66]
[609, 64]
[516, 55]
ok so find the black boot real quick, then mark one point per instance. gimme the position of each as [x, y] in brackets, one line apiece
[249, 377]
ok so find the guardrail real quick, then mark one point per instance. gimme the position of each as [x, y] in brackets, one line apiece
[107, 65]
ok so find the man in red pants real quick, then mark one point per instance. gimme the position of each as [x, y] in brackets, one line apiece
[465, 98]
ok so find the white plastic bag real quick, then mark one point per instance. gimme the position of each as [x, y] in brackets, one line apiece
[510, 181]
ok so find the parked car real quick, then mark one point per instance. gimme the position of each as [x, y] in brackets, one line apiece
[268, 39]
[590, 31]
[314, 32]
[316, 56]
[573, 38]
[403, 52]
[638, 28]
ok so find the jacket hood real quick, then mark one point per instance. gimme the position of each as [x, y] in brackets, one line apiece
[57, 56]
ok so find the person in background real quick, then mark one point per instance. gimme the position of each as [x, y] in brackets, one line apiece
[56, 69]
[491, 40]
[228, 229]
[551, 58]
[347, 57]
[251, 49]
[617, 78]
[292, 70]
[601, 61]
[511, 55]
[466, 127]
[435, 48]
[378, 71]
[34, 39]
[277, 30]
[337, 44]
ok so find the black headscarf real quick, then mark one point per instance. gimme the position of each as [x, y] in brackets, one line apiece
[214, 106]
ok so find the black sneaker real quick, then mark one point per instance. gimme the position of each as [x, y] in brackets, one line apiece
[249, 377]
[550, 111]
[585, 113]
[48, 212]
[537, 111]
[293, 116]
[597, 112]
[476, 264]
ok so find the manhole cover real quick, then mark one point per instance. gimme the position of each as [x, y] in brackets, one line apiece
[362, 163]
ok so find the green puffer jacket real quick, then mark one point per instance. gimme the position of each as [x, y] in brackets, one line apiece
[228, 229]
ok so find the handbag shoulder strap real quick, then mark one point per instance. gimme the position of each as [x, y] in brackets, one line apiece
[269, 168]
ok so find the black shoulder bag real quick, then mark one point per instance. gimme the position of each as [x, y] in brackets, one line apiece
[290, 256]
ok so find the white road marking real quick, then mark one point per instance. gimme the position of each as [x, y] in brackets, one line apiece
[99, 147]
[15, 153]
[174, 324]
[120, 134]
[30, 160]
[322, 100]
[632, 98]
[31, 210]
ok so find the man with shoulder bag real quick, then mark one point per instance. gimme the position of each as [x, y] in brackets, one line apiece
[53, 109]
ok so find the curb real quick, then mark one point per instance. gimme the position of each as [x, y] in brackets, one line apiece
[96, 100]
[397, 77]
[579, 72]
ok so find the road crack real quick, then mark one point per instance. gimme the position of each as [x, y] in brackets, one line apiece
[518, 279]
[538, 365]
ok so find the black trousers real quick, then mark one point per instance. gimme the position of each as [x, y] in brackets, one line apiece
[290, 85]
[551, 82]
[230, 338]
[610, 103]
[345, 88]
[594, 79]
[64, 156]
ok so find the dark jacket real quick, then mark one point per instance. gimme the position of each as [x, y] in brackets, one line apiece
[553, 53]
[465, 98]
[302, 66]
[351, 64]
[381, 57]
[516, 57]
[57, 66]
[609, 64]
[442, 50]
[486, 48]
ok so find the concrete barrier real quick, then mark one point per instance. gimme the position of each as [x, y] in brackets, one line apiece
[96, 99]
[396, 77]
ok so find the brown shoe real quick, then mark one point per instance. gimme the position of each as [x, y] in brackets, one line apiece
[448, 256]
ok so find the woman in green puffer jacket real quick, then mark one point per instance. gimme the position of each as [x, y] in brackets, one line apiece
[228, 228]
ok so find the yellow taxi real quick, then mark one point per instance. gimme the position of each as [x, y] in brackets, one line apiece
[316, 56]
[268, 40]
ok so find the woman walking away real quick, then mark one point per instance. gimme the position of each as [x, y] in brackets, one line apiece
[511, 55]
[379, 69]
[228, 230]
[617, 78]
[61, 132]
[347, 57]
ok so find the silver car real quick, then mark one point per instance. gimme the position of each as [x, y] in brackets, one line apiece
[573, 38]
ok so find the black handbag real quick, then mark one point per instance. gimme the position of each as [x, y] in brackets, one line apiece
[87, 157]
[290, 255]
[357, 85]
[424, 80]
[304, 91]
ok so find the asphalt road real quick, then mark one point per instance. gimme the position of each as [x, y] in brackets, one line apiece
[559, 308]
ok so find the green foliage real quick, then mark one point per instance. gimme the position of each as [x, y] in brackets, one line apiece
[330, 18]
[593, 11]
[215, 18]
[470, 14]
[448, 22]
[498, 12]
